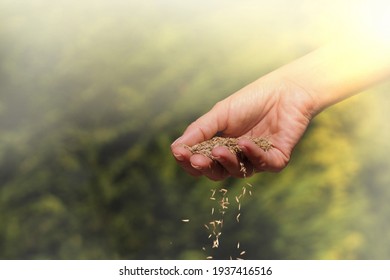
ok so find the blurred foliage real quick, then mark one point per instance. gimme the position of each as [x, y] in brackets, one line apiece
[92, 93]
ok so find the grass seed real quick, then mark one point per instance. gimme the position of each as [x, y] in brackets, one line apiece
[205, 148]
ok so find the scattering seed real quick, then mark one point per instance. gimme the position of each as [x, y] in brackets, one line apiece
[216, 243]
[243, 169]
[224, 191]
[185, 220]
[209, 258]
[219, 195]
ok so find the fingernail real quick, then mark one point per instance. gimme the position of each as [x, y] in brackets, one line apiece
[177, 140]
[179, 157]
[196, 166]
[219, 159]
[243, 149]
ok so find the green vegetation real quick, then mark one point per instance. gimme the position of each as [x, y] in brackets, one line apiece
[92, 93]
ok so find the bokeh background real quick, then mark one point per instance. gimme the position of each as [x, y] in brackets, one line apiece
[93, 92]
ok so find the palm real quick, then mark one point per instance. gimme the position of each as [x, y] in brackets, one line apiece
[283, 118]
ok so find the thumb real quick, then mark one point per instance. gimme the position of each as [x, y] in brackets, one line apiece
[204, 127]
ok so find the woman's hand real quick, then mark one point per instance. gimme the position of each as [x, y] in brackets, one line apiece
[277, 109]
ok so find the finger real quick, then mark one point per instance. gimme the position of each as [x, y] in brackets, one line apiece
[254, 154]
[273, 160]
[198, 165]
[204, 127]
[182, 156]
[229, 161]
[209, 168]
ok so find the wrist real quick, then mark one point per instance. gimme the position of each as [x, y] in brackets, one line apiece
[302, 94]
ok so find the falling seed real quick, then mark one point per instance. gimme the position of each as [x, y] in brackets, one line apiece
[216, 242]
[221, 198]
[224, 191]
[243, 169]
[185, 220]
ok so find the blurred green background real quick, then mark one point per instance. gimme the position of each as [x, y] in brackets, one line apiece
[93, 92]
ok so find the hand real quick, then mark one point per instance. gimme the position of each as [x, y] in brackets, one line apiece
[279, 110]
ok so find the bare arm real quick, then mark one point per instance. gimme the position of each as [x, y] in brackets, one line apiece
[281, 105]
[340, 69]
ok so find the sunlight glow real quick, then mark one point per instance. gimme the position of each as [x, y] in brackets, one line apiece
[374, 19]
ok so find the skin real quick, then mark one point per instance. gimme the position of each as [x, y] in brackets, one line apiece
[280, 105]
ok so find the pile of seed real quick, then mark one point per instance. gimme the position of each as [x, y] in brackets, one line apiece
[205, 147]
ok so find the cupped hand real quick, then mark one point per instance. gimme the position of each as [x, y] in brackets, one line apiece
[278, 110]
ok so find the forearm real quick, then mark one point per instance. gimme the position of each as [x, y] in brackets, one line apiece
[339, 70]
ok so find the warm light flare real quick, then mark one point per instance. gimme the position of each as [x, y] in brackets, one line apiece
[374, 20]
